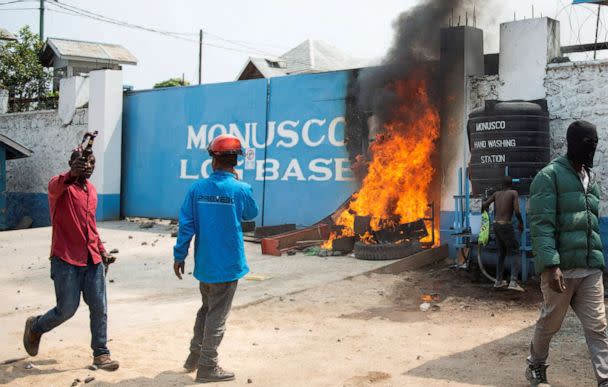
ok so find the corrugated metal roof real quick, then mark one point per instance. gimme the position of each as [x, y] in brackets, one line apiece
[85, 51]
[6, 34]
[308, 57]
[14, 149]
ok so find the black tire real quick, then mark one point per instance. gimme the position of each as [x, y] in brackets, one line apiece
[385, 251]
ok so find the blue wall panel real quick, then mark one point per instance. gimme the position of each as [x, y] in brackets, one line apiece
[311, 174]
[165, 135]
[300, 171]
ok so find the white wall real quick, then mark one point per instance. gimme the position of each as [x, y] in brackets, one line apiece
[526, 46]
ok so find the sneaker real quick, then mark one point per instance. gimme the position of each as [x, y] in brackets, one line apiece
[513, 285]
[192, 361]
[500, 284]
[213, 374]
[537, 375]
[31, 340]
[105, 362]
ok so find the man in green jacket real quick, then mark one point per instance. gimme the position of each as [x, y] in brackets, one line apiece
[564, 201]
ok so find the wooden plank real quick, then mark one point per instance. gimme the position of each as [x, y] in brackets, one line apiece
[274, 245]
[415, 261]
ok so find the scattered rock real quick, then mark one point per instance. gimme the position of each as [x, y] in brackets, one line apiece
[173, 222]
[130, 236]
[89, 379]
[16, 308]
[189, 273]
[291, 252]
[111, 281]
[153, 244]
[114, 251]
[74, 383]
[418, 357]
[249, 381]
[28, 366]
[77, 380]
[254, 344]
[281, 299]
[146, 225]
[339, 340]
[276, 328]
[492, 315]
[25, 222]
[18, 291]
[144, 243]
[93, 367]
[174, 234]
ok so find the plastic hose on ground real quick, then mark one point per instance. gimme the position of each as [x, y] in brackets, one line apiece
[480, 263]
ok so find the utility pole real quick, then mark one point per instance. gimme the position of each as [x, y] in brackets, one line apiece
[597, 27]
[41, 20]
[200, 57]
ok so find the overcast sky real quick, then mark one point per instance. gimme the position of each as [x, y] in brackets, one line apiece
[243, 28]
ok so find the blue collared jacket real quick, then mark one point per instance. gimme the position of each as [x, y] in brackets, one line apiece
[212, 212]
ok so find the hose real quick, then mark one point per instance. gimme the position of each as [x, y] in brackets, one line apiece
[480, 263]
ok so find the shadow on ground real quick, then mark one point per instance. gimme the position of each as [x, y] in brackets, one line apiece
[166, 378]
[502, 362]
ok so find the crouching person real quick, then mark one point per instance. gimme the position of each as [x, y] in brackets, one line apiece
[212, 212]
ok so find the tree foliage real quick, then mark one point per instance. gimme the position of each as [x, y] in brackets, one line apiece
[21, 72]
[173, 82]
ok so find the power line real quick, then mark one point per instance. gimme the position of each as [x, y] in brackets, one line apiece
[14, 1]
[18, 9]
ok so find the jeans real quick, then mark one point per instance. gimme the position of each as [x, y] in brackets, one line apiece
[69, 282]
[586, 297]
[211, 320]
[507, 244]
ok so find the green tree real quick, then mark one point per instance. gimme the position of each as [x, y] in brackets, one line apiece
[173, 82]
[21, 72]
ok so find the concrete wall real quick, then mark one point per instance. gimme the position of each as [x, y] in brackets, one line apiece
[574, 91]
[51, 142]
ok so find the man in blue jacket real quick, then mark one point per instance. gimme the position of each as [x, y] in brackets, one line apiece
[213, 211]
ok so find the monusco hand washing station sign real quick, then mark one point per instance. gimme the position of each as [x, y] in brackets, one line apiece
[292, 129]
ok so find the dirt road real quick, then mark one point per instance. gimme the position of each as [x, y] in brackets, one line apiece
[366, 331]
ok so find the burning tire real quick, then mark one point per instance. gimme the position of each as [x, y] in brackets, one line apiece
[385, 251]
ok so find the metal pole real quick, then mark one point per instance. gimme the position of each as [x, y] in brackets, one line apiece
[597, 26]
[200, 57]
[41, 30]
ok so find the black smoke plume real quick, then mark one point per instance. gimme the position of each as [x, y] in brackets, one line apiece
[416, 44]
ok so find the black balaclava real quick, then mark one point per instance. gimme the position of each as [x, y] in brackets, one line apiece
[582, 141]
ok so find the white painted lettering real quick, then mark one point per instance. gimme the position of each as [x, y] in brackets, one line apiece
[315, 166]
[196, 139]
[235, 131]
[183, 171]
[333, 140]
[206, 168]
[284, 132]
[293, 170]
[342, 169]
[212, 132]
[306, 132]
[264, 171]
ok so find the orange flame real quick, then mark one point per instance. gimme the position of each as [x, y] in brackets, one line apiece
[401, 171]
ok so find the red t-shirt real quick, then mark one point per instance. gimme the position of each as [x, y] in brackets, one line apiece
[73, 219]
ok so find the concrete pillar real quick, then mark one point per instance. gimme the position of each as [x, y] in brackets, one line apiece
[73, 94]
[3, 101]
[461, 57]
[105, 116]
[526, 47]
[3, 204]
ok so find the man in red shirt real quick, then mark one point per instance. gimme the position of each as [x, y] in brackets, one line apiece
[78, 260]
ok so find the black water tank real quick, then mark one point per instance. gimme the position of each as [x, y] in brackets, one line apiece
[513, 134]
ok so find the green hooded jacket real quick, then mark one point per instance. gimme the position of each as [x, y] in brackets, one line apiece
[564, 219]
